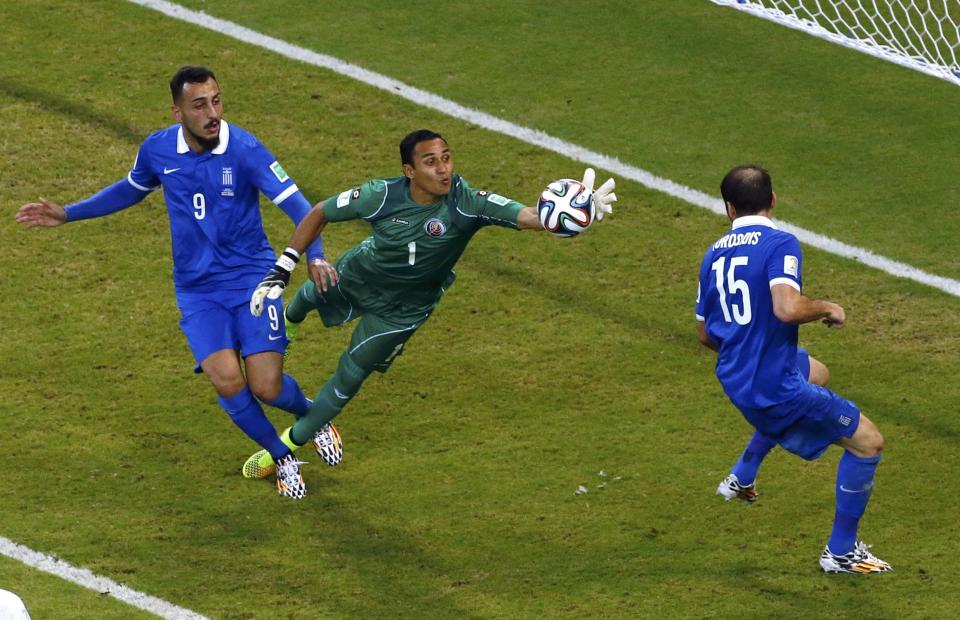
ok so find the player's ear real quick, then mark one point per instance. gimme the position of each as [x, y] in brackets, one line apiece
[731, 210]
[175, 110]
[773, 200]
[408, 171]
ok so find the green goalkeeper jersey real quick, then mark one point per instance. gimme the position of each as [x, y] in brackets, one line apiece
[401, 270]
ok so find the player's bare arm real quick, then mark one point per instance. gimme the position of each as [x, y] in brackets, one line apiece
[791, 306]
[528, 219]
[322, 273]
[43, 213]
[704, 338]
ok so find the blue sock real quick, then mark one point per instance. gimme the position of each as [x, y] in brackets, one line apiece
[757, 448]
[291, 398]
[854, 485]
[247, 414]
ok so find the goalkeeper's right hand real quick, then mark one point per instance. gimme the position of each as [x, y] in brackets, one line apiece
[272, 284]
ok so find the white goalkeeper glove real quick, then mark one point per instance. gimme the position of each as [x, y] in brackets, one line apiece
[272, 284]
[603, 196]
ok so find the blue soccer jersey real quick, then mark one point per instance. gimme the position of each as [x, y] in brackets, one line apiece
[757, 360]
[214, 206]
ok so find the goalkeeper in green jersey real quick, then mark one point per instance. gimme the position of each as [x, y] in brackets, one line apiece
[391, 281]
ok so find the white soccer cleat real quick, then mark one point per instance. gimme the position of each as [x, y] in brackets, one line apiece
[731, 488]
[329, 445]
[289, 481]
[859, 561]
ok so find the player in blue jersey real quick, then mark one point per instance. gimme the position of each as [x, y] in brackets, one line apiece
[749, 308]
[741, 482]
[212, 174]
[393, 280]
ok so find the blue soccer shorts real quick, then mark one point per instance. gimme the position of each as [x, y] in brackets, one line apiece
[823, 418]
[803, 363]
[222, 320]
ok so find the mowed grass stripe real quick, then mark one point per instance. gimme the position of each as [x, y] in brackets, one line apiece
[103, 585]
[537, 138]
[457, 496]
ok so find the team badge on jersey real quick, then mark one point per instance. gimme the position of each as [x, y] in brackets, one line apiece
[434, 227]
[227, 179]
[278, 172]
[482, 194]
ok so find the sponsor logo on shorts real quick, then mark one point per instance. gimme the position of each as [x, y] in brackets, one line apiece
[272, 337]
[845, 420]
[434, 227]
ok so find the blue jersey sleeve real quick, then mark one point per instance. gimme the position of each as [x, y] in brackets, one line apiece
[274, 183]
[784, 264]
[109, 200]
[142, 175]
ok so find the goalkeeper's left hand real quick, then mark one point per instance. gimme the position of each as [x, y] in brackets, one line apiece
[272, 284]
[603, 196]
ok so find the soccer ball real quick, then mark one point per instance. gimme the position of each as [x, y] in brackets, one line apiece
[566, 208]
[11, 607]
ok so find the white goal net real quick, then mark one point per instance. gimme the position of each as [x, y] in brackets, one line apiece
[919, 34]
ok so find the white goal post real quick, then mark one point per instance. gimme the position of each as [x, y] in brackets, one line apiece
[920, 34]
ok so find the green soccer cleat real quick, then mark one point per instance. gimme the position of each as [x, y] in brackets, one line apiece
[260, 464]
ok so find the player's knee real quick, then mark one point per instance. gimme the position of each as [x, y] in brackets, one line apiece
[350, 374]
[266, 390]
[227, 385]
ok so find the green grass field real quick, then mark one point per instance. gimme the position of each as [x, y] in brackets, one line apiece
[550, 360]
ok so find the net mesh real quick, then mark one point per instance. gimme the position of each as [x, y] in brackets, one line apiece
[920, 34]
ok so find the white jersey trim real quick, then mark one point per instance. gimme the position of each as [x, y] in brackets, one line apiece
[137, 185]
[293, 189]
[394, 331]
[787, 281]
[753, 220]
[183, 147]
[386, 190]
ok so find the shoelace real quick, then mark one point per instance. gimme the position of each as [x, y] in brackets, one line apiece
[288, 468]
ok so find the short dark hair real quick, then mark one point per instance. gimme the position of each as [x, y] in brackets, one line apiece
[412, 139]
[748, 188]
[193, 75]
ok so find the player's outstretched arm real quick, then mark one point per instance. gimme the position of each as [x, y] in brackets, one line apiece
[43, 213]
[791, 306]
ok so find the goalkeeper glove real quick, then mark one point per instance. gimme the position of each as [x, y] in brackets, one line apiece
[272, 284]
[603, 196]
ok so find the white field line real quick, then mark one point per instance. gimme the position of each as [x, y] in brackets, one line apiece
[85, 578]
[537, 138]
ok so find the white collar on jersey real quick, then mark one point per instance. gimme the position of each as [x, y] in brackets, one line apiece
[753, 220]
[182, 146]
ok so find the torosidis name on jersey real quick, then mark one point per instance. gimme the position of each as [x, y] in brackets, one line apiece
[734, 239]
